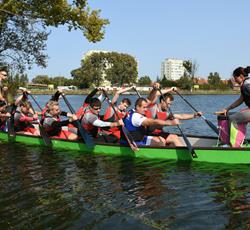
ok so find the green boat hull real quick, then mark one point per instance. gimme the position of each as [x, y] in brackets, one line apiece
[204, 154]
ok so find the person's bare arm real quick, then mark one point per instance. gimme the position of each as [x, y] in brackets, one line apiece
[150, 122]
[117, 94]
[235, 104]
[187, 116]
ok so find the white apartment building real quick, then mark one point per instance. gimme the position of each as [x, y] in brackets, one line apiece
[172, 69]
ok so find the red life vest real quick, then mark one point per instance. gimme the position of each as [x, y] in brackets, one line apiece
[112, 118]
[80, 112]
[21, 125]
[162, 115]
[93, 130]
[148, 114]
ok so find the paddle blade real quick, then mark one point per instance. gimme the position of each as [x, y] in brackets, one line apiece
[130, 140]
[10, 126]
[88, 139]
[85, 136]
[188, 144]
[46, 139]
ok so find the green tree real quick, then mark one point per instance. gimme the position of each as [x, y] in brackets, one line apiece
[42, 79]
[79, 79]
[185, 82]
[112, 66]
[24, 27]
[191, 68]
[144, 81]
[15, 81]
[214, 80]
[59, 81]
[167, 83]
[122, 68]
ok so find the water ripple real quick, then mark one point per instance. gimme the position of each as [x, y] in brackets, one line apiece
[47, 189]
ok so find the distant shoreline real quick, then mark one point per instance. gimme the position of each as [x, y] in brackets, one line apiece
[184, 92]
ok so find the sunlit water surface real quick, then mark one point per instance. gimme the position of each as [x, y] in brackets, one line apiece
[51, 189]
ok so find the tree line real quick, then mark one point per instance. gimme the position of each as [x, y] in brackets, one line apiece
[100, 66]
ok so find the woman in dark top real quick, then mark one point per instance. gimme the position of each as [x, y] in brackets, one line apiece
[242, 117]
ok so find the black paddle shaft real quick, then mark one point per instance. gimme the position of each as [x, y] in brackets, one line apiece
[10, 122]
[46, 139]
[138, 94]
[188, 144]
[84, 134]
[35, 101]
[210, 124]
[126, 133]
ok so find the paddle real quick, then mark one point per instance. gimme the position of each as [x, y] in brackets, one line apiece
[84, 134]
[138, 94]
[10, 122]
[35, 101]
[126, 133]
[46, 139]
[188, 144]
[210, 124]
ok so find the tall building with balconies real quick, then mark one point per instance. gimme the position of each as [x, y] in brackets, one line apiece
[172, 69]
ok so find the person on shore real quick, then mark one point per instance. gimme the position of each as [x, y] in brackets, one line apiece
[136, 123]
[53, 124]
[111, 116]
[240, 76]
[92, 122]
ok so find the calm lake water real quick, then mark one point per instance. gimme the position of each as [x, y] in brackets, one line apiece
[50, 189]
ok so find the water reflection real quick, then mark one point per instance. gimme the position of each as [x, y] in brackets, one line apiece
[43, 188]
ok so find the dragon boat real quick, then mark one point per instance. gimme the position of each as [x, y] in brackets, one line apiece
[206, 149]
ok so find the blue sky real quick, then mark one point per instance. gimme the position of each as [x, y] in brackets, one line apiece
[214, 33]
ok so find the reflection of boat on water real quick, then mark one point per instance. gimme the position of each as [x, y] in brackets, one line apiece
[205, 148]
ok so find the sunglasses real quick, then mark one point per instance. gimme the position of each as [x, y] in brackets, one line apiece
[96, 108]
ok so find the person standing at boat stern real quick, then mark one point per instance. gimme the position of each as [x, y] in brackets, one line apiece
[242, 117]
[92, 123]
[136, 123]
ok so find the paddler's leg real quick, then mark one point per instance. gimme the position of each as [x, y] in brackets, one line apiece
[238, 122]
[157, 141]
[173, 140]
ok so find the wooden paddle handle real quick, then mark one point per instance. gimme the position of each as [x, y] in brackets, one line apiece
[219, 113]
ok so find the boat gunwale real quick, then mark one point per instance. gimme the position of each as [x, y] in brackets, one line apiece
[145, 147]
